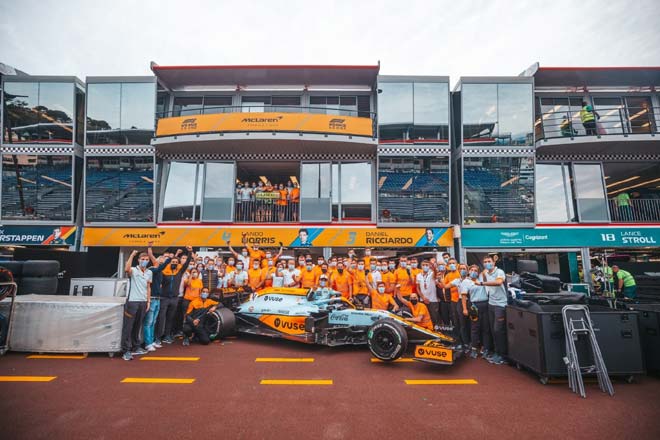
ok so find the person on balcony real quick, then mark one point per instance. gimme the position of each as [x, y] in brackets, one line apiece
[282, 204]
[588, 117]
[623, 203]
[566, 128]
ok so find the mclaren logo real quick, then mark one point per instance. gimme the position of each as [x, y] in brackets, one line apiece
[189, 124]
[337, 124]
[143, 236]
[261, 120]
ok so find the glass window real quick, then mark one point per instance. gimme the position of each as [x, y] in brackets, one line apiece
[80, 117]
[188, 105]
[137, 112]
[497, 114]
[38, 112]
[218, 191]
[560, 117]
[180, 191]
[640, 114]
[352, 186]
[498, 190]
[612, 115]
[431, 111]
[162, 104]
[395, 110]
[554, 196]
[590, 192]
[103, 113]
[119, 189]
[217, 104]
[413, 189]
[36, 187]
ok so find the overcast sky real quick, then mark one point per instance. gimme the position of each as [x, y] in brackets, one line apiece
[89, 37]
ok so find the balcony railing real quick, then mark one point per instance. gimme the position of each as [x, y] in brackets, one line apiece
[259, 108]
[635, 210]
[613, 121]
[266, 211]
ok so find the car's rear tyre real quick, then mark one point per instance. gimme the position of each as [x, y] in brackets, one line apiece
[220, 323]
[387, 340]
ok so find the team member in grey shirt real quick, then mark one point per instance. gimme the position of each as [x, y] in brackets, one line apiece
[137, 304]
[480, 326]
[493, 278]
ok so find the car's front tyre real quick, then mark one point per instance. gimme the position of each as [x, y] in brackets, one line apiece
[387, 340]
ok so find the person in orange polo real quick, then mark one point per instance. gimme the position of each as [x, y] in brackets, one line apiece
[381, 300]
[361, 284]
[414, 271]
[256, 276]
[387, 276]
[269, 257]
[342, 282]
[420, 312]
[404, 279]
[282, 203]
[452, 274]
[295, 201]
[196, 313]
[308, 276]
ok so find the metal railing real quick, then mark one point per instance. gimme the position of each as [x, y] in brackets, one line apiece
[263, 108]
[266, 211]
[634, 210]
[609, 121]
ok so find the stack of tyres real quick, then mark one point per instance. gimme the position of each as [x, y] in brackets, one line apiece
[536, 340]
[39, 277]
[535, 282]
[649, 328]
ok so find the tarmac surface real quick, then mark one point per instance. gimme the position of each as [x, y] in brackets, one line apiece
[255, 388]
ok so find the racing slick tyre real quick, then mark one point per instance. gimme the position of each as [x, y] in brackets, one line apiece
[220, 323]
[387, 340]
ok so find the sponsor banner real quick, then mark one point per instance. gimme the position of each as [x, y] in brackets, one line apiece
[286, 122]
[37, 235]
[561, 237]
[291, 325]
[434, 353]
[267, 195]
[271, 237]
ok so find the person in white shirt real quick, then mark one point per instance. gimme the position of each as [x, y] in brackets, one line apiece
[376, 274]
[478, 312]
[428, 293]
[463, 324]
[244, 256]
[493, 278]
[291, 275]
[239, 277]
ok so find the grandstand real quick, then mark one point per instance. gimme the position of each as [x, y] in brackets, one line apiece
[45, 191]
[414, 197]
[508, 201]
[118, 196]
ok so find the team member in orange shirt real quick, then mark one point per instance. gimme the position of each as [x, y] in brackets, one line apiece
[451, 275]
[256, 276]
[381, 300]
[388, 276]
[282, 203]
[323, 270]
[317, 269]
[414, 271]
[192, 285]
[307, 276]
[420, 312]
[404, 279]
[295, 201]
[367, 257]
[342, 282]
[269, 257]
[361, 283]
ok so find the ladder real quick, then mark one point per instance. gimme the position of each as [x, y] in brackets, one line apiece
[577, 322]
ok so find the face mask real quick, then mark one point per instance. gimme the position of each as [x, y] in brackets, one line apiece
[195, 275]
[333, 264]
[269, 255]
[231, 263]
[361, 267]
[473, 274]
[392, 266]
[322, 283]
[441, 268]
[309, 267]
[414, 265]
[301, 262]
[239, 267]
[353, 266]
[341, 271]
[463, 272]
[244, 254]
[200, 268]
[381, 289]
[367, 253]
[144, 263]
[173, 266]
[489, 266]
[414, 302]
[270, 262]
[205, 295]
[291, 267]
[320, 262]
[256, 266]
[452, 267]
[403, 265]
[324, 270]
[425, 268]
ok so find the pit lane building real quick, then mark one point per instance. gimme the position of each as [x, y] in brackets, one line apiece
[404, 164]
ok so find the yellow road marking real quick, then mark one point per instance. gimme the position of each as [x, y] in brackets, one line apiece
[284, 360]
[57, 356]
[155, 380]
[27, 378]
[441, 382]
[296, 382]
[169, 358]
[397, 360]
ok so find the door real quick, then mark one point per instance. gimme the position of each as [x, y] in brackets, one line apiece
[590, 192]
[315, 191]
[218, 198]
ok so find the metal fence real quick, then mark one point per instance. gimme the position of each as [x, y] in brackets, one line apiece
[266, 211]
[635, 210]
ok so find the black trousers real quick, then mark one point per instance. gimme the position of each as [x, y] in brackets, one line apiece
[166, 317]
[480, 329]
[590, 127]
[461, 323]
[189, 328]
[445, 313]
[131, 334]
[497, 317]
[181, 307]
[434, 311]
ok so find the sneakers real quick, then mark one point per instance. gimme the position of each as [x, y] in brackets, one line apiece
[167, 340]
[474, 353]
[139, 351]
[178, 335]
[496, 359]
[127, 356]
[186, 341]
[157, 344]
[485, 354]
[150, 347]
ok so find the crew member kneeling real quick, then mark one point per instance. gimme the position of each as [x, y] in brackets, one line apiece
[381, 300]
[420, 313]
[197, 311]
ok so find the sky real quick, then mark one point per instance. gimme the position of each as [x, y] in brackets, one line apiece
[454, 38]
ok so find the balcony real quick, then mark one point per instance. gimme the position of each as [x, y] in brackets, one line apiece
[561, 132]
[285, 129]
[635, 210]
